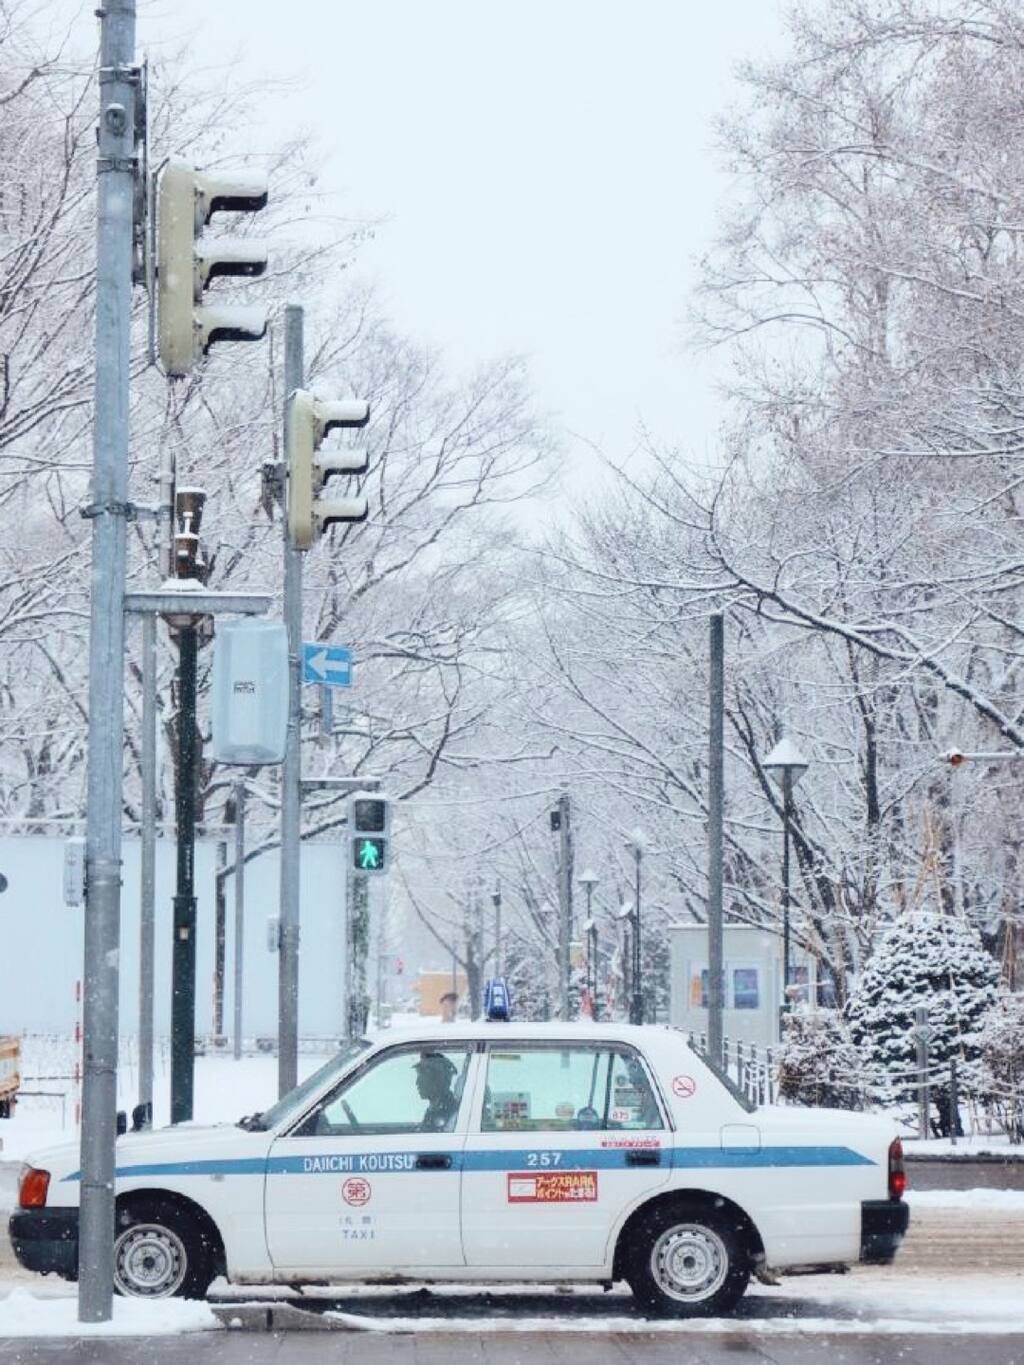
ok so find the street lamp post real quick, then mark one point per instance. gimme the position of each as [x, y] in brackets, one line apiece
[636, 998]
[785, 765]
[496, 902]
[588, 880]
[628, 918]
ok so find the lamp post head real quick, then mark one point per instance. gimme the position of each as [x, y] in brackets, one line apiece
[588, 880]
[636, 842]
[785, 762]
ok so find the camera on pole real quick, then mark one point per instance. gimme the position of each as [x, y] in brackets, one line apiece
[188, 327]
[309, 420]
[369, 822]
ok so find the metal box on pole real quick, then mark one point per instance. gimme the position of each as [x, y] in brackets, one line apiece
[250, 692]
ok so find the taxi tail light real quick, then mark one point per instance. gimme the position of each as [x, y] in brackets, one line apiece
[33, 1187]
[897, 1171]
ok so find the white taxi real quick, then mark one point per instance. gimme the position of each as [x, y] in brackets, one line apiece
[490, 1152]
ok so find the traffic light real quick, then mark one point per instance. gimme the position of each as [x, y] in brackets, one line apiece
[369, 822]
[369, 854]
[309, 421]
[187, 200]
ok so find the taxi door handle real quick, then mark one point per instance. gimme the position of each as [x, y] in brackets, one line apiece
[643, 1158]
[433, 1161]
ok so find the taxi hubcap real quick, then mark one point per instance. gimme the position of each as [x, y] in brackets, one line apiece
[149, 1261]
[689, 1262]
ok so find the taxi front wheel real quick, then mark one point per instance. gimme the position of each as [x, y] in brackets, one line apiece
[160, 1253]
[687, 1262]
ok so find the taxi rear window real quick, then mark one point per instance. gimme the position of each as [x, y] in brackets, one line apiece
[533, 1088]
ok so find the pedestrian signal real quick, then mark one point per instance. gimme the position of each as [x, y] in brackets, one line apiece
[368, 854]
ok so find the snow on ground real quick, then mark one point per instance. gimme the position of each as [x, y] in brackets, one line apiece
[1003, 1201]
[25, 1314]
[224, 1091]
[973, 1144]
[867, 1301]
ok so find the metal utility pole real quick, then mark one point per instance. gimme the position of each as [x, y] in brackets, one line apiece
[636, 999]
[922, 1033]
[220, 933]
[239, 911]
[183, 955]
[716, 786]
[147, 898]
[496, 902]
[564, 902]
[291, 770]
[787, 953]
[116, 169]
[147, 890]
[358, 944]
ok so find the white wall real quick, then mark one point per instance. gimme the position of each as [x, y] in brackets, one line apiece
[41, 939]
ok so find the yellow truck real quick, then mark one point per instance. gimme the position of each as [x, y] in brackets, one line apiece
[10, 1074]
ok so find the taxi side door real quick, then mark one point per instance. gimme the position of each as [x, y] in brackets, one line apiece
[564, 1138]
[368, 1180]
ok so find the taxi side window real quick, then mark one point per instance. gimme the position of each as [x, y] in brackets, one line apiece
[414, 1091]
[552, 1089]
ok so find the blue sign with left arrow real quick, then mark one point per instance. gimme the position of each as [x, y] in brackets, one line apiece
[329, 665]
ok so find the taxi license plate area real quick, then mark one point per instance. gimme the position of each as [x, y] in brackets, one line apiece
[552, 1187]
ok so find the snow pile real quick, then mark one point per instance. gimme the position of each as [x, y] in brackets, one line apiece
[29, 1315]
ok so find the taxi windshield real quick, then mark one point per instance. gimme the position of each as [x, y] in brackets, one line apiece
[295, 1099]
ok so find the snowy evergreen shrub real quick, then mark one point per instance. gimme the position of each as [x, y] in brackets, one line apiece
[1001, 1069]
[924, 959]
[528, 982]
[817, 1062]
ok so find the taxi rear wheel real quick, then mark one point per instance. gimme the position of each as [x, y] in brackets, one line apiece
[687, 1262]
[160, 1253]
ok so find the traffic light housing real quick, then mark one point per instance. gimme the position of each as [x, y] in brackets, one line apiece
[309, 421]
[369, 854]
[187, 200]
[369, 822]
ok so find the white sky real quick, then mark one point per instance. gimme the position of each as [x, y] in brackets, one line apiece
[545, 167]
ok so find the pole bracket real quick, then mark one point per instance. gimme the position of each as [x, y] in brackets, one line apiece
[117, 163]
[128, 510]
[126, 73]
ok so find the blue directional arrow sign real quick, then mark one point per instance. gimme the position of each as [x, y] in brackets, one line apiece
[330, 665]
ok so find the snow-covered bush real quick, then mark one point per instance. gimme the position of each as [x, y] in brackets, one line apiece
[924, 959]
[817, 1062]
[1001, 1069]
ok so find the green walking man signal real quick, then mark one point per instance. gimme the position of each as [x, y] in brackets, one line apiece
[369, 855]
[369, 823]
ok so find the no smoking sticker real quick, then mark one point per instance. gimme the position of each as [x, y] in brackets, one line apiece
[356, 1191]
[683, 1087]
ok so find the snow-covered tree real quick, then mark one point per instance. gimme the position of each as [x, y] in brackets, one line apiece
[931, 960]
[1000, 1072]
[817, 1061]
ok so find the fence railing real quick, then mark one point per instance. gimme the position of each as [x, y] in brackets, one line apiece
[750, 1066]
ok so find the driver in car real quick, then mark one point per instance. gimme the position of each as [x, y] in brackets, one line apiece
[434, 1076]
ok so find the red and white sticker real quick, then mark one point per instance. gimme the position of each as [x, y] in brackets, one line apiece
[552, 1187]
[356, 1191]
[683, 1087]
